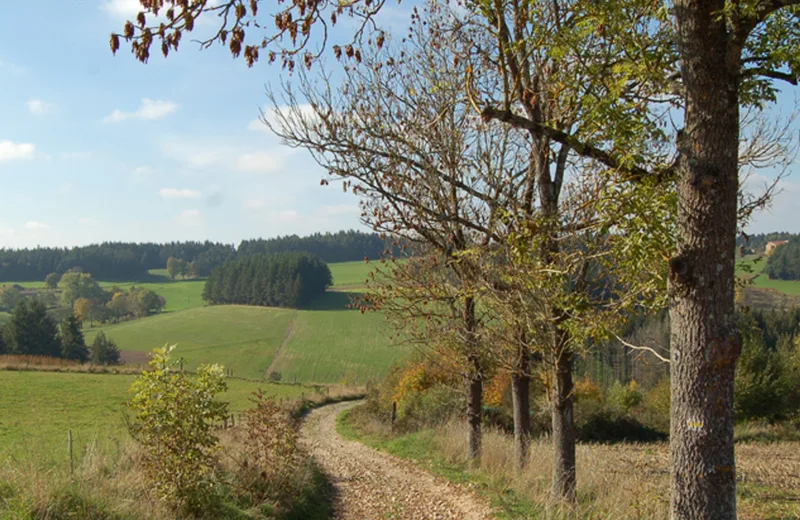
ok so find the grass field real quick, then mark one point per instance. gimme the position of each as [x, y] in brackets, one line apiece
[240, 337]
[37, 409]
[762, 281]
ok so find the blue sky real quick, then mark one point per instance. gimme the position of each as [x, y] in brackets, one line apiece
[95, 147]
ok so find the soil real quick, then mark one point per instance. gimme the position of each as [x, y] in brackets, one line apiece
[373, 485]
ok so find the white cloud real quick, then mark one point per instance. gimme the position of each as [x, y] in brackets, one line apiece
[175, 193]
[149, 109]
[124, 9]
[259, 162]
[191, 218]
[31, 224]
[6, 232]
[86, 221]
[39, 107]
[10, 150]
[64, 188]
[305, 111]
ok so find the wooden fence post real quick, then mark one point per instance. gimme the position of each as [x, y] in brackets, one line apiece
[394, 413]
[71, 458]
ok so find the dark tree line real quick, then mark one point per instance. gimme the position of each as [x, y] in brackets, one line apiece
[276, 280]
[784, 262]
[131, 261]
[344, 246]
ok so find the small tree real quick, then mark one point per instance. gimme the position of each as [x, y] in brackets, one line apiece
[51, 280]
[104, 351]
[76, 285]
[174, 419]
[84, 309]
[73, 346]
[9, 297]
[174, 267]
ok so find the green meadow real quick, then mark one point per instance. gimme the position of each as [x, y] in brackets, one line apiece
[38, 409]
[750, 267]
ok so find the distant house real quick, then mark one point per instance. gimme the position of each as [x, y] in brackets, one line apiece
[771, 246]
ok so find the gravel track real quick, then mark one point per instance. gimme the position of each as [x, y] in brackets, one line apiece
[373, 485]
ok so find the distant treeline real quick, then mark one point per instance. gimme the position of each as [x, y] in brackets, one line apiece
[751, 244]
[272, 280]
[344, 246]
[131, 261]
[784, 262]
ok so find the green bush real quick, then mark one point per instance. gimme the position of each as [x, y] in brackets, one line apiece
[174, 419]
[767, 385]
[622, 398]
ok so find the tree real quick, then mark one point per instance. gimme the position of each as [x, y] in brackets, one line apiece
[431, 176]
[192, 270]
[85, 310]
[79, 285]
[120, 305]
[174, 267]
[51, 280]
[73, 345]
[104, 351]
[31, 331]
[9, 297]
[729, 53]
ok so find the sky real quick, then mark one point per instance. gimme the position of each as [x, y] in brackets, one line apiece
[95, 147]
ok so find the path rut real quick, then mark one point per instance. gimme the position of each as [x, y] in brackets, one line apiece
[374, 485]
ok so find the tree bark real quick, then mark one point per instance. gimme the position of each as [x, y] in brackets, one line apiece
[704, 338]
[521, 404]
[564, 481]
[474, 416]
[474, 384]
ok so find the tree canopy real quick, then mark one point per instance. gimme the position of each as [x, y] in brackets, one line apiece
[276, 280]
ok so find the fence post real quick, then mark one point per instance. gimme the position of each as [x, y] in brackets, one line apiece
[394, 413]
[71, 458]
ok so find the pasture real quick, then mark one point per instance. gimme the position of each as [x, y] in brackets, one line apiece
[37, 410]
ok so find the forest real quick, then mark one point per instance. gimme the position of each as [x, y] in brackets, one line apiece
[784, 262]
[131, 261]
[270, 280]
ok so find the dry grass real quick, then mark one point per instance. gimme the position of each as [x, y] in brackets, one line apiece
[623, 481]
[53, 364]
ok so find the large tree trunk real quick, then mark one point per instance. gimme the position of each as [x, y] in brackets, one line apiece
[564, 482]
[474, 416]
[474, 384]
[704, 339]
[521, 403]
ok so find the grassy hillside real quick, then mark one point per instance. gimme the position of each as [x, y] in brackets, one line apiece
[240, 337]
[764, 293]
[37, 409]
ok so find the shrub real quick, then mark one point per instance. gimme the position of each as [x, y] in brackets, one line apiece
[607, 426]
[766, 385]
[104, 351]
[271, 454]
[622, 398]
[653, 411]
[174, 419]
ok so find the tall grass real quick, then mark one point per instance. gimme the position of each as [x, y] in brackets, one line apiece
[615, 481]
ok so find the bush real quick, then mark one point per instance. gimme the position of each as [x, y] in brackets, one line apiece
[766, 385]
[174, 419]
[607, 426]
[104, 351]
[271, 454]
[653, 411]
[622, 398]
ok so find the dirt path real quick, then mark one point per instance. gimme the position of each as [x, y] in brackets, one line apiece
[373, 485]
[286, 338]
